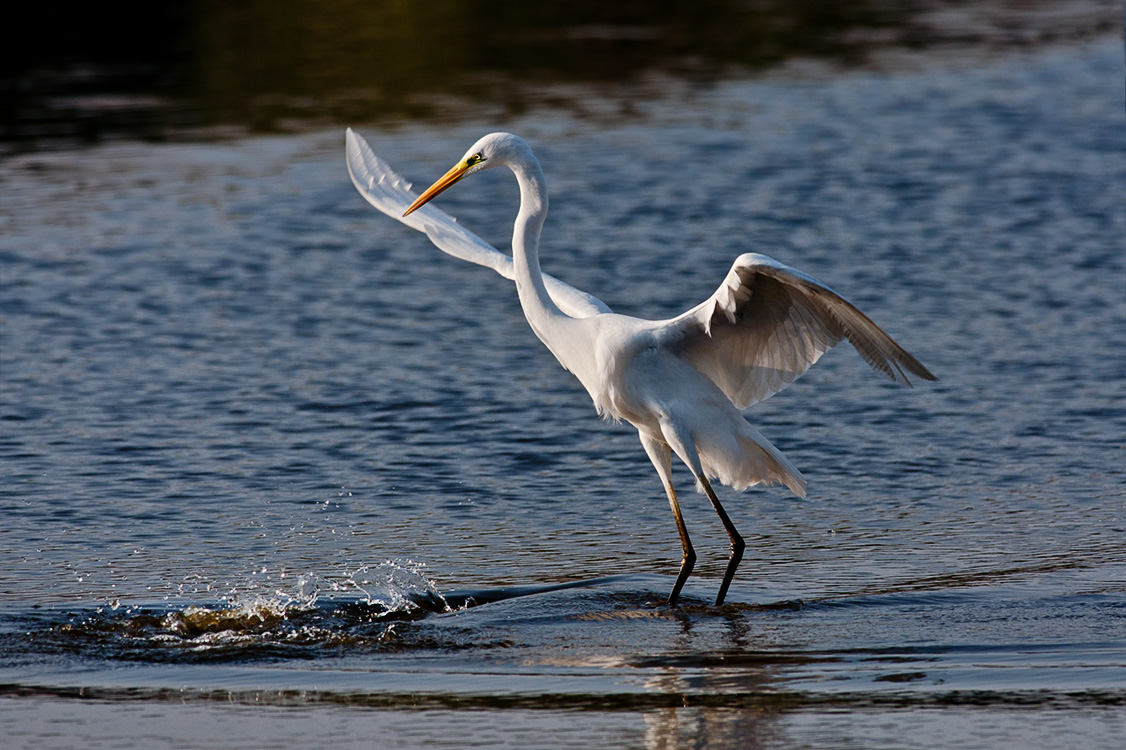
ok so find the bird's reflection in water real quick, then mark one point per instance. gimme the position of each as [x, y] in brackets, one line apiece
[725, 691]
[712, 726]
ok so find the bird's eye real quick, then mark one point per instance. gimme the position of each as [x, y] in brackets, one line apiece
[477, 158]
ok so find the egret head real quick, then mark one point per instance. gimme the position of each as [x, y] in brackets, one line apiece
[493, 150]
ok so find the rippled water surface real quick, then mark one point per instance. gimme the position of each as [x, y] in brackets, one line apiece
[273, 470]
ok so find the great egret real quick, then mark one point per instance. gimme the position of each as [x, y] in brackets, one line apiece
[681, 382]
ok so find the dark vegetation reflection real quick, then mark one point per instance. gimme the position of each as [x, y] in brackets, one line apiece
[79, 73]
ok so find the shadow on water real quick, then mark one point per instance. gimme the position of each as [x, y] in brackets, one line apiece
[411, 615]
[266, 628]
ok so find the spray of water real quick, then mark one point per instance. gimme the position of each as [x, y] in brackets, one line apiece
[269, 610]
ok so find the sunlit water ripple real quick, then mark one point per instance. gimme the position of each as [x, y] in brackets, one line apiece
[261, 445]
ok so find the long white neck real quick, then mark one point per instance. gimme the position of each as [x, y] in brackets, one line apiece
[542, 313]
[569, 339]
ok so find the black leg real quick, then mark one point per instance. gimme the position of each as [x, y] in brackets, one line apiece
[689, 560]
[737, 544]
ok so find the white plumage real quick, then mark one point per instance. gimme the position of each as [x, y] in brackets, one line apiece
[681, 382]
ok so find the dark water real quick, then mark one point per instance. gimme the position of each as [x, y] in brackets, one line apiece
[255, 437]
[81, 73]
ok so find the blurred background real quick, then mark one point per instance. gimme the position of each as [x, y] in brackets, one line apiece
[78, 73]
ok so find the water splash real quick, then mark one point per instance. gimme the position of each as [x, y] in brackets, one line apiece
[307, 614]
[395, 585]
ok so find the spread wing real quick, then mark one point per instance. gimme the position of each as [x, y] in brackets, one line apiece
[391, 194]
[768, 323]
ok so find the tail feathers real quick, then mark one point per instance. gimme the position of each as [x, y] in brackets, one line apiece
[748, 460]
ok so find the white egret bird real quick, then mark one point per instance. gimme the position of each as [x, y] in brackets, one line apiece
[681, 382]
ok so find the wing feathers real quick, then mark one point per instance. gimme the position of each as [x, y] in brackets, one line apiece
[391, 194]
[768, 323]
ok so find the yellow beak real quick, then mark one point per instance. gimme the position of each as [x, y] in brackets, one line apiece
[448, 179]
